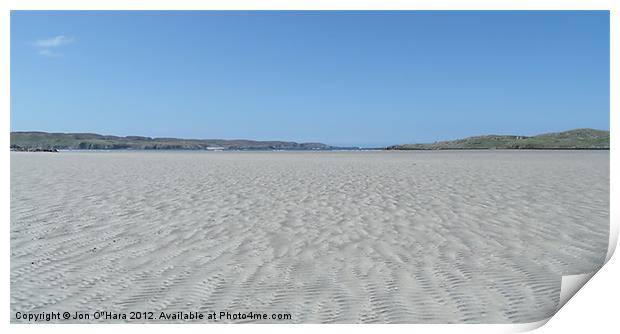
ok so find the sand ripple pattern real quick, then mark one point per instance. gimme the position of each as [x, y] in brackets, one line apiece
[330, 237]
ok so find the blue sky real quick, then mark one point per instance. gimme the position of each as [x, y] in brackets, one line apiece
[342, 78]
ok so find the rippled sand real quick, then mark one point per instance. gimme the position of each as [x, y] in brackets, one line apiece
[416, 237]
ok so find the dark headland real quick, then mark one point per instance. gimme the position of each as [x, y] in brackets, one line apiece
[44, 141]
[577, 139]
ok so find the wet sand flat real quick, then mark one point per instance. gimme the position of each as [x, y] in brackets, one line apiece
[414, 237]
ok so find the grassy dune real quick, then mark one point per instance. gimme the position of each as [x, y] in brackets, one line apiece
[573, 139]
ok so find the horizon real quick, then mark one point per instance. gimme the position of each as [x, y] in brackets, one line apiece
[319, 142]
[342, 78]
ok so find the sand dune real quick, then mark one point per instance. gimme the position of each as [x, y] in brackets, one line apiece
[415, 237]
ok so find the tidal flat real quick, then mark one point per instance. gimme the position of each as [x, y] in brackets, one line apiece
[327, 237]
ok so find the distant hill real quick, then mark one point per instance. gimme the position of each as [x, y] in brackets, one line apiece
[41, 141]
[573, 139]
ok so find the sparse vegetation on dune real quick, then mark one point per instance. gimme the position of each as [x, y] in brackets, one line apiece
[573, 139]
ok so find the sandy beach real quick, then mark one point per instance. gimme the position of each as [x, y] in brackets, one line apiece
[328, 237]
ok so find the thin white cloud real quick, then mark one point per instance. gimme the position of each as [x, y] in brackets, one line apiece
[53, 42]
[46, 47]
[46, 52]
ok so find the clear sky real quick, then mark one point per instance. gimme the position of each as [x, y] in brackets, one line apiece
[341, 78]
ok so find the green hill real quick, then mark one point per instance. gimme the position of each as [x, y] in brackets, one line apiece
[573, 139]
[30, 141]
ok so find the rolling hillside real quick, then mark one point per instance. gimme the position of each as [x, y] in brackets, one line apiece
[573, 139]
[91, 141]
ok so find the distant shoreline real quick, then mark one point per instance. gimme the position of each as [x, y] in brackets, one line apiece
[310, 151]
[506, 149]
[35, 140]
[577, 139]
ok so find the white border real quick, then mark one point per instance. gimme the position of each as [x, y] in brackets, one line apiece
[611, 5]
